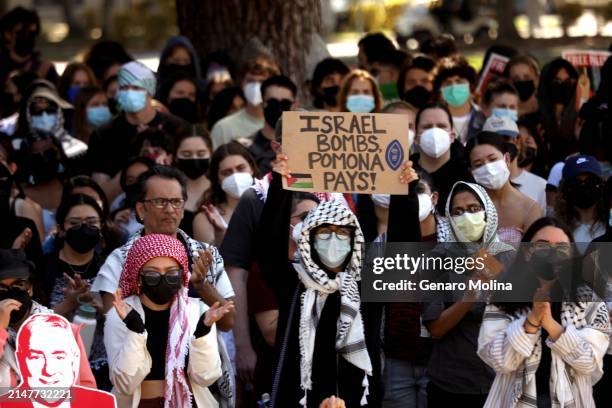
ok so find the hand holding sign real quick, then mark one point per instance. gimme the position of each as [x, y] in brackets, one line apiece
[344, 152]
[281, 165]
[408, 174]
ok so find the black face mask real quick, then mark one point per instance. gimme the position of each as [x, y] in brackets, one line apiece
[83, 239]
[525, 89]
[193, 168]
[161, 293]
[585, 194]
[43, 166]
[417, 96]
[550, 263]
[7, 104]
[274, 110]
[184, 108]
[172, 69]
[561, 92]
[24, 42]
[22, 297]
[329, 95]
[527, 157]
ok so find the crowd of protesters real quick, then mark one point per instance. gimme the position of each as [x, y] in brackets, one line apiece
[156, 199]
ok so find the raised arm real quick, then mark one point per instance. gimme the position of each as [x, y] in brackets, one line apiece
[503, 342]
[273, 233]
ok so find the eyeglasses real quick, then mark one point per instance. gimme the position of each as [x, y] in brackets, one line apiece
[19, 284]
[543, 246]
[153, 278]
[342, 233]
[472, 209]
[160, 203]
[75, 222]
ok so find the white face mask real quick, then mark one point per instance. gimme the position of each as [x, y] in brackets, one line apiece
[331, 249]
[236, 184]
[492, 175]
[296, 232]
[252, 93]
[381, 200]
[425, 206]
[434, 142]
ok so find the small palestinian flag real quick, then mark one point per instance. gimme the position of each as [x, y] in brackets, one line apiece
[300, 181]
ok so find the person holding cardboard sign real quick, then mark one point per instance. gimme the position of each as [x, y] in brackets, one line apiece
[311, 292]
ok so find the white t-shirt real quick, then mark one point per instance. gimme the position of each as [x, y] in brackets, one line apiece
[238, 125]
[533, 187]
[585, 233]
[556, 174]
[461, 124]
[107, 279]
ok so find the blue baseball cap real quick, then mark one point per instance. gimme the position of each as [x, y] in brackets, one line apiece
[581, 164]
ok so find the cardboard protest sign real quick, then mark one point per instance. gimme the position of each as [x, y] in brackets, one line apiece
[588, 63]
[495, 67]
[345, 152]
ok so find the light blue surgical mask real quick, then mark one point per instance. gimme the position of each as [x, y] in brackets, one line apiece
[332, 249]
[132, 100]
[98, 116]
[45, 121]
[511, 114]
[360, 103]
[456, 94]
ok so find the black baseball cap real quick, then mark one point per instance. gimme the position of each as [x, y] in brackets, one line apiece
[14, 264]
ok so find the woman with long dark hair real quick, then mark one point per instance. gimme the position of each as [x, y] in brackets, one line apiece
[547, 351]
[232, 172]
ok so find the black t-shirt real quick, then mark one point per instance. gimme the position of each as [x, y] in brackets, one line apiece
[445, 177]
[112, 145]
[238, 246]
[262, 152]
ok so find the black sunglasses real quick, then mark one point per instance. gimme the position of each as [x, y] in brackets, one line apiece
[151, 278]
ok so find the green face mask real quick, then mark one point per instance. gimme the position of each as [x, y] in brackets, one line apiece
[456, 94]
[389, 91]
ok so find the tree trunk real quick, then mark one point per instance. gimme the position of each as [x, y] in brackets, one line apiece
[505, 16]
[107, 7]
[75, 29]
[285, 27]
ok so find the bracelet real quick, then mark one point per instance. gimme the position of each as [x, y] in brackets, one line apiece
[531, 324]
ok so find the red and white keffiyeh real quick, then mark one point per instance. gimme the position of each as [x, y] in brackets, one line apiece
[151, 246]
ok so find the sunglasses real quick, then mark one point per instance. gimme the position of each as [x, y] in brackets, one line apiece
[152, 278]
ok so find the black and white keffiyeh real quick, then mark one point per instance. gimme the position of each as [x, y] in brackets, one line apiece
[350, 338]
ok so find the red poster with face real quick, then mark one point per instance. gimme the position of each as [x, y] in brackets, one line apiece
[48, 357]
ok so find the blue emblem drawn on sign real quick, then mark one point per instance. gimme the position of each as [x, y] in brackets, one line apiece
[394, 155]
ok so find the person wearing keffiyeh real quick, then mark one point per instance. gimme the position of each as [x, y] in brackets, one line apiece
[320, 338]
[161, 344]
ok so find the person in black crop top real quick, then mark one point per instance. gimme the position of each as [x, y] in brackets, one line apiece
[160, 343]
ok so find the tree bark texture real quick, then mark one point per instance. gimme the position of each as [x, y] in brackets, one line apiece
[284, 26]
